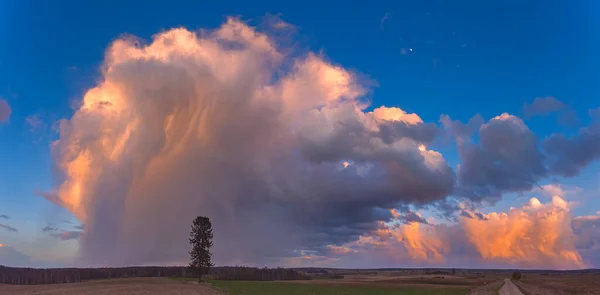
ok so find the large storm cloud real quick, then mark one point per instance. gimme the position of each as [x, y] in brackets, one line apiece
[284, 154]
[278, 150]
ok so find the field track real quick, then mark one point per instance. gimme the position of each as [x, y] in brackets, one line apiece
[136, 286]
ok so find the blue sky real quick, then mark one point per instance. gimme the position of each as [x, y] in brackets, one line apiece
[427, 57]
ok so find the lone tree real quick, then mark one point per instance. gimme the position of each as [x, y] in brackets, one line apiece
[201, 241]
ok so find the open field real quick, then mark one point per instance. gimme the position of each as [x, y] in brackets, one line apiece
[347, 282]
[145, 286]
[318, 288]
[560, 283]
[361, 282]
[384, 283]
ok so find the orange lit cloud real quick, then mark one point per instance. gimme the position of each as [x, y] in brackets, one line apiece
[534, 235]
[537, 235]
[403, 239]
[423, 242]
[396, 114]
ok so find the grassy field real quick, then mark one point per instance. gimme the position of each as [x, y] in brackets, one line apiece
[146, 286]
[286, 288]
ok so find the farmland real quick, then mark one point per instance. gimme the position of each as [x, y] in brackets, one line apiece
[561, 283]
[113, 287]
[320, 288]
[252, 281]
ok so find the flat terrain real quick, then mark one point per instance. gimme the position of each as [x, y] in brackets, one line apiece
[367, 283]
[145, 286]
[319, 288]
[377, 283]
[352, 283]
[560, 284]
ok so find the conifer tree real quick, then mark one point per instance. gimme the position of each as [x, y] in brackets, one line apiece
[201, 242]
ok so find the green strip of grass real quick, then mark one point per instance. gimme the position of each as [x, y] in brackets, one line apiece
[286, 288]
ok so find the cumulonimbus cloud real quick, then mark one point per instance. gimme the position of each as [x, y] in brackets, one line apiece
[283, 154]
[224, 124]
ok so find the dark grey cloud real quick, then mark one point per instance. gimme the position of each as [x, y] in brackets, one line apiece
[49, 229]
[507, 158]
[410, 216]
[4, 216]
[568, 155]
[395, 156]
[8, 228]
[472, 215]
[393, 130]
[446, 208]
[542, 106]
[5, 110]
[79, 227]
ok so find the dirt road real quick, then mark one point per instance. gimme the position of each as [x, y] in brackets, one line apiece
[113, 287]
[509, 288]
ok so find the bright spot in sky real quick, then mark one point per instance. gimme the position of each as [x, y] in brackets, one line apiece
[346, 164]
[410, 49]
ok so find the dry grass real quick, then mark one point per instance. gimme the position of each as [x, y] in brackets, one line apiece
[140, 286]
[560, 284]
[391, 279]
[488, 289]
[296, 288]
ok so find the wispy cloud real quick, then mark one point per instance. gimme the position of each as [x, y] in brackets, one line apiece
[8, 228]
[67, 235]
[385, 17]
[4, 216]
[49, 229]
[34, 122]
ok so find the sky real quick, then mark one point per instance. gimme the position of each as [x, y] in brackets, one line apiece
[386, 134]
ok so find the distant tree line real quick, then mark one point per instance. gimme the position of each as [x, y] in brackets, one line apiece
[241, 273]
[200, 267]
[34, 276]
